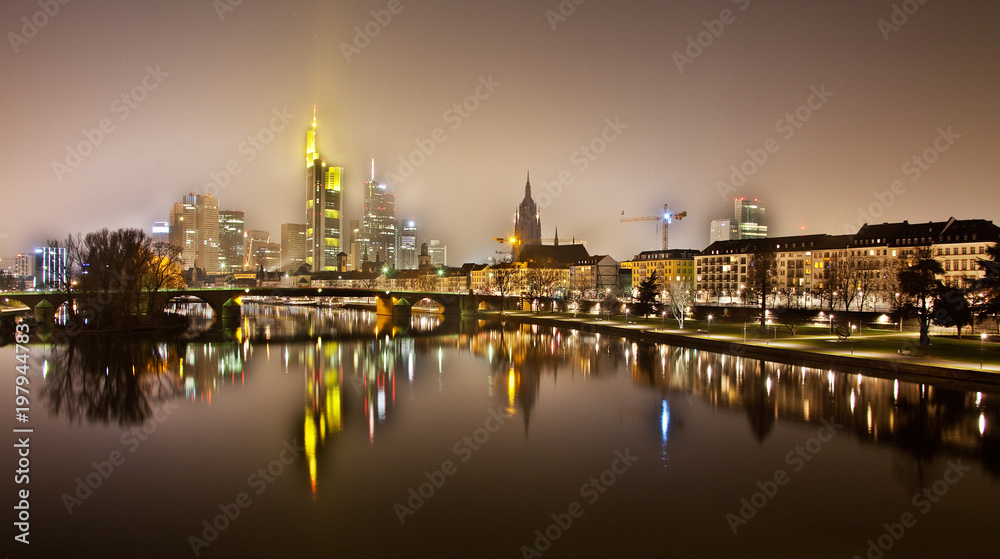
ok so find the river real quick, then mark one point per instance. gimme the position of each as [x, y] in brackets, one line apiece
[331, 433]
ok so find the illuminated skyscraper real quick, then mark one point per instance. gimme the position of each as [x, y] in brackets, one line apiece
[750, 220]
[293, 245]
[527, 223]
[378, 226]
[194, 229]
[408, 245]
[231, 225]
[324, 208]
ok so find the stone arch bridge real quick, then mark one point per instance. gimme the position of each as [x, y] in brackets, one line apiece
[225, 302]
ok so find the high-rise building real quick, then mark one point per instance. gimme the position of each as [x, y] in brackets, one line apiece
[160, 232]
[527, 222]
[749, 218]
[48, 266]
[354, 262]
[408, 250]
[378, 226]
[293, 245]
[324, 208]
[231, 249]
[23, 266]
[253, 243]
[194, 229]
[722, 230]
[438, 253]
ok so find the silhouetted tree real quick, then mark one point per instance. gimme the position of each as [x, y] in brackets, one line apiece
[646, 297]
[919, 283]
[951, 308]
[762, 276]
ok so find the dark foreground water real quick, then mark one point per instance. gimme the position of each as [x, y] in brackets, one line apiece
[329, 434]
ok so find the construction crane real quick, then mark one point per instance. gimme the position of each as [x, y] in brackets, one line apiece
[666, 218]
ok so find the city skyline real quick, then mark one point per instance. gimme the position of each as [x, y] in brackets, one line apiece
[836, 115]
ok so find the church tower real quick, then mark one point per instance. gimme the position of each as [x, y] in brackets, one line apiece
[527, 223]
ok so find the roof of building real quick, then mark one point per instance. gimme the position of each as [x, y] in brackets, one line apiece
[794, 242]
[920, 234]
[561, 254]
[672, 254]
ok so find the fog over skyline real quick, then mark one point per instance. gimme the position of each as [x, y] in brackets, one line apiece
[833, 113]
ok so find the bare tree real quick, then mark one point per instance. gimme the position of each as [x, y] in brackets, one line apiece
[164, 270]
[678, 296]
[505, 277]
[762, 272]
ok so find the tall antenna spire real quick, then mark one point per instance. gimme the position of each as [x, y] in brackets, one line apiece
[314, 116]
[373, 169]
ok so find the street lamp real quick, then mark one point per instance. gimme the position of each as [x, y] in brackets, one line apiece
[982, 339]
[709, 330]
[831, 323]
[626, 316]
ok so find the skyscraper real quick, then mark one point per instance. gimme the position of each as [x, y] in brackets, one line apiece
[293, 245]
[324, 207]
[408, 250]
[722, 230]
[527, 222]
[438, 253]
[750, 221]
[378, 226]
[194, 229]
[231, 226]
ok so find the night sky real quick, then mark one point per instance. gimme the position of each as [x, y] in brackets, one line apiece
[617, 98]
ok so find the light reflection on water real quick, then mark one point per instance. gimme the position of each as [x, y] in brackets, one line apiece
[381, 403]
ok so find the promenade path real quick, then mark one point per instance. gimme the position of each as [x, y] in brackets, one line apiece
[971, 358]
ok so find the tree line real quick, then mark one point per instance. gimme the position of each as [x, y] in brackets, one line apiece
[111, 278]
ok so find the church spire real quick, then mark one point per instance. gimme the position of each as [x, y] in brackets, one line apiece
[557, 236]
[527, 187]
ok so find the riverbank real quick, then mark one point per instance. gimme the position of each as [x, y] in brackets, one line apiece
[887, 354]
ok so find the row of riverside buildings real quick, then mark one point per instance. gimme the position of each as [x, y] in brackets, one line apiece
[851, 272]
[812, 270]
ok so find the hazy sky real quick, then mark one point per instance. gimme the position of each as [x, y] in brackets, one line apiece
[617, 98]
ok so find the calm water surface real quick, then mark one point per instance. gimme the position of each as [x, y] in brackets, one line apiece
[331, 434]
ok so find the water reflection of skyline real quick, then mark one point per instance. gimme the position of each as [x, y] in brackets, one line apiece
[354, 365]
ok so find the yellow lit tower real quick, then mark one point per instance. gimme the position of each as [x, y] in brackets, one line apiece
[324, 207]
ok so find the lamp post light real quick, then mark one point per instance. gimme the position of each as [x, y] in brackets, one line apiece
[982, 340]
[626, 316]
[709, 330]
[831, 323]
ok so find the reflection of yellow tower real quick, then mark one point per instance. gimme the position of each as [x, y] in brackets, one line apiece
[323, 404]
